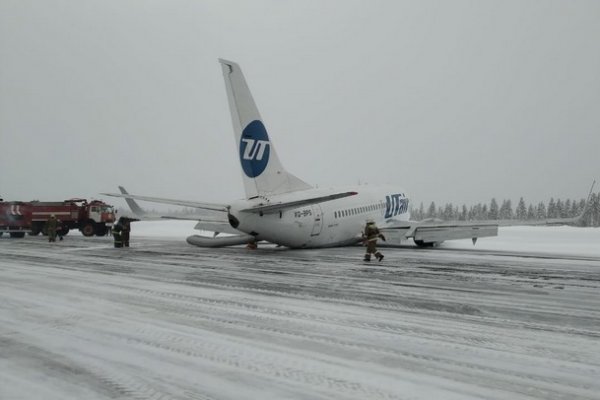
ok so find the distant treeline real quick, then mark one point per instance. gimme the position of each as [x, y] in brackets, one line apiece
[523, 211]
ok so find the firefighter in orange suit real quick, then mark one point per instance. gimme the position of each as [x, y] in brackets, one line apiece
[51, 226]
[370, 236]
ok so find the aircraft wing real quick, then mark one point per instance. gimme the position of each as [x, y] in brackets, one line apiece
[183, 203]
[276, 207]
[428, 232]
[431, 231]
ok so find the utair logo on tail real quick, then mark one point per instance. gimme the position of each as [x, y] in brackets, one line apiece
[254, 149]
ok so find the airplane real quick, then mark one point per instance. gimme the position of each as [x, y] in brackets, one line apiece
[281, 208]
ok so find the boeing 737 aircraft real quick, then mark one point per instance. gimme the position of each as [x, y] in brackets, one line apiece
[282, 209]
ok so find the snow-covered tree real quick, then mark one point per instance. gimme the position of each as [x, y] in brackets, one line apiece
[506, 210]
[531, 213]
[574, 209]
[431, 212]
[559, 209]
[595, 209]
[551, 213]
[521, 209]
[541, 211]
[463, 213]
[493, 213]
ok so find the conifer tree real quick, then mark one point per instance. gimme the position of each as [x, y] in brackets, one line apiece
[464, 213]
[558, 210]
[566, 210]
[493, 213]
[574, 209]
[521, 210]
[505, 210]
[531, 212]
[447, 213]
[551, 212]
[595, 208]
[586, 216]
[431, 211]
[541, 211]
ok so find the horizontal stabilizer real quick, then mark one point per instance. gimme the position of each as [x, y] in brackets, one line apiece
[183, 203]
[270, 208]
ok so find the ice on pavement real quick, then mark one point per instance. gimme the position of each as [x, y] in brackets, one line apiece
[165, 320]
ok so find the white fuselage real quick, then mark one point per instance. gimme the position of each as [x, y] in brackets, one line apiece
[331, 223]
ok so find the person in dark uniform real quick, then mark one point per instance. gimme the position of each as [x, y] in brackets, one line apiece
[60, 231]
[370, 236]
[117, 232]
[126, 230]
[51, 226]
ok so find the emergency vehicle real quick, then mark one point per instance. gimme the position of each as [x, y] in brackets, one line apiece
[91, 218]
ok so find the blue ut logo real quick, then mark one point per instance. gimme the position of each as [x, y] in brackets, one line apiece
[255, 149]
[395, 204]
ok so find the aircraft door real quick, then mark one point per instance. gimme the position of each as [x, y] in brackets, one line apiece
[318, 220]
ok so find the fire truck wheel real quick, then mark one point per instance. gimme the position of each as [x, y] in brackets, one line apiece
[17, 234]
[65, 231]
[88, 229]
[35, 230]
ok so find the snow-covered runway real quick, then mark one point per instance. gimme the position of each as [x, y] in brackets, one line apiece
[164, 320]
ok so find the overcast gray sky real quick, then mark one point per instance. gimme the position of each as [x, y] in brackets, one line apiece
[456, 101]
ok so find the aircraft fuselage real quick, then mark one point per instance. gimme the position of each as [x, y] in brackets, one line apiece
[332, 223]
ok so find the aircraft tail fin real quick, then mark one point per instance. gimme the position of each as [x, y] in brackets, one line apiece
[262, 171]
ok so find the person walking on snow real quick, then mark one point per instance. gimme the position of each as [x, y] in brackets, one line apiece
[370, 236]
[117, 232]
[51, 226]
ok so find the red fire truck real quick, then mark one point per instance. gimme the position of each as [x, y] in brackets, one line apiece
[93, 218]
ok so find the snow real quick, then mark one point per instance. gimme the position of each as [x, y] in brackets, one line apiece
[560, 240]
[516, 318]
